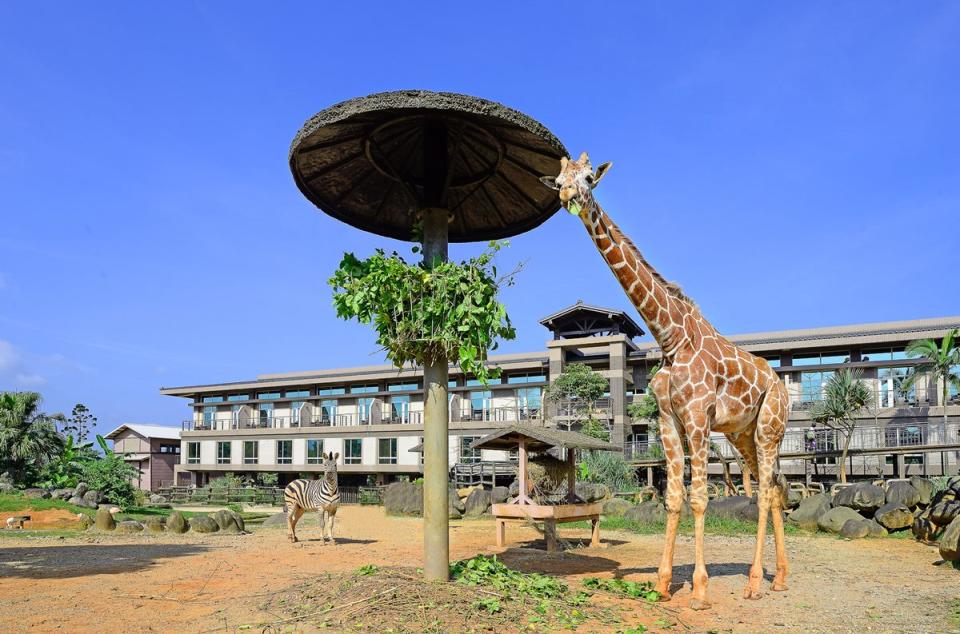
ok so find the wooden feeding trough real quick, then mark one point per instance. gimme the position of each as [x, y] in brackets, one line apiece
[527, 438]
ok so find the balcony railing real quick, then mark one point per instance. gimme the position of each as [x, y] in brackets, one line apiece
[884, 399]
[572, 408]
[288, 422]
[497, 414]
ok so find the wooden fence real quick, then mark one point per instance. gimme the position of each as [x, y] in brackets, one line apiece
[272, 496]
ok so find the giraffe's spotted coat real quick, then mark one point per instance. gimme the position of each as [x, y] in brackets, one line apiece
[706, 384]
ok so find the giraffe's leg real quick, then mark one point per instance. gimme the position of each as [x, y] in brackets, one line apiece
[698, 440]
[769, 433]
[673, 451]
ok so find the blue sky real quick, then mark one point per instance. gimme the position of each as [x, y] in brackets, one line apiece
[790, 165]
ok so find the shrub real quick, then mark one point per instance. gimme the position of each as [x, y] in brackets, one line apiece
[227, 481]
[112, 477]
[609, 468]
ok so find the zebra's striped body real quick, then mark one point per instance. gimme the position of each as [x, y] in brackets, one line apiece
[322, 495]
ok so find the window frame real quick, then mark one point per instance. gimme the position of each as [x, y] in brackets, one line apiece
[221, 459]
[255, 458]
[284, 459]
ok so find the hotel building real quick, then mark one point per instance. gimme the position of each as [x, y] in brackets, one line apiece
[372, 415]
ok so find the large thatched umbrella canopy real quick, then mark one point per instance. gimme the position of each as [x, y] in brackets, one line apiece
[375, 161]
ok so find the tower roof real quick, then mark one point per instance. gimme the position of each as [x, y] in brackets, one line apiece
[584, 320]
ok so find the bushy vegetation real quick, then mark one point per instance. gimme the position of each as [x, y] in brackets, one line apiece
[424, 313]
[609, 468]
[110, 475]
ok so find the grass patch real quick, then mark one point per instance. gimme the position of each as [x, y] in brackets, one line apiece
[53, 533]
[712, 525]
[15, 502]
[954, 615]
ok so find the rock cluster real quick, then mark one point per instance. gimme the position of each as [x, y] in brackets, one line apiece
[80, 495]
[940, 521]
[224, 521]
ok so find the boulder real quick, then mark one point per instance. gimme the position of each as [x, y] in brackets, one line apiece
[7, 487]
[810, 511]
[92, 499]
[157, 499]
[894, 516]
[176, 523]
[731, 507]
[499, 495]
[944, 512]
[862, 497]
[616, 507]
[875, 529]
[277, 520]
[84, 520]
[80, 489]
[924, 487]
[62, 494]
[455, 502]
[477, 503]
[104, 520]
[155, 524]
[203, 524]
[403, 498]
[466, 491]
[590, 492]
[834, 519]
[855, 529]
[78, 502]
[239, 520]
[129, 526]
[953, 484]
[647, 513]
[903, 493]
[950, 541]
[923, 529]
[514, 488]
[226, 523]
[794, 498]
[35, 493]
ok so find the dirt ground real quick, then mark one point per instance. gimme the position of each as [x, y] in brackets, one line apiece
[208, 583]
[44, 520]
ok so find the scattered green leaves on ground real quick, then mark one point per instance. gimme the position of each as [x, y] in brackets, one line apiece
[369, 569]
[634, 589]
[490, 571]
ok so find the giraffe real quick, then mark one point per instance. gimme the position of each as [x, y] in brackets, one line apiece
[706, 384]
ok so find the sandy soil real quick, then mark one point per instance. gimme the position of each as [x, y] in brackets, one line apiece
[44, 520]
[204, 583]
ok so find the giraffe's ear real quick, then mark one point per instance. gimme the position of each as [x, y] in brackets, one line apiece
[550, 181]
[600, 172]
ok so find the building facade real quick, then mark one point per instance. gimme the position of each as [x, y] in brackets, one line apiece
[153, 450]
[372, 416]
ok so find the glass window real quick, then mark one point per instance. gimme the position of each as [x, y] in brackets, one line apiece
[238, 397]
[268, 395]
[284, 452]
[954, 392]
[251, 451]
[331, 391]
[526, 378]
[266, 414]
[452, 383]
[403, 387]
[466, 453]
[481, 405]
[314, 451]
[209, 415]
[884, 354]
[295, 412]
[821, 358]
[477, 383]
[212, 399]
[812, 385]
[387, 451]
[891, 387]
[169, 448]
[364, 407]
[297, 394]
[773, 360]
[193, 453]
[400, 409]
[363, 389]
[352, 451]
[223, 452]
[328, 411]
[529, 400]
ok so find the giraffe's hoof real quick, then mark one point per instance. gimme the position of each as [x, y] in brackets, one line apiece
[664, 592]
[333, 542]
[699, 604]
[778, 586]
[751, 593]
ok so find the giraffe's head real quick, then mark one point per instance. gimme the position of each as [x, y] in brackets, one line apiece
[330, 466]
[575, 183]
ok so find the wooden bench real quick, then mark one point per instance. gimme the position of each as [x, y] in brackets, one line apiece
[550, 515]
[17, 521]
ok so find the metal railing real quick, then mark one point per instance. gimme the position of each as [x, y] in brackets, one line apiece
[884, 399]
[294, 422]
[497, 414]
[575, 408]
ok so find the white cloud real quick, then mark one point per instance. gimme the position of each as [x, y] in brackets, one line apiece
[12, 367]
[29, 380]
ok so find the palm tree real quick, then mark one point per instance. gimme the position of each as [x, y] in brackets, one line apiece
[941, 362]
[844, 396]
[28, 437]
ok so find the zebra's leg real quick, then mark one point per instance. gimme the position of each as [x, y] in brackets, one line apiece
[322, 518]
[293, 516]
[333, 518]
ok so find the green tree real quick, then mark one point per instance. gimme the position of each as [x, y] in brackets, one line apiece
[110, 475]
[63, 471]
[844, 397]
[80, 423]
[941, 362]
[28, 437]
[578, 388]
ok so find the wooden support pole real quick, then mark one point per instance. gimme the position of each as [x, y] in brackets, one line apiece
[571, 476]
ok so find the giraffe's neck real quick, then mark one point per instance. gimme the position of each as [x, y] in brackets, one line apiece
[646, 288]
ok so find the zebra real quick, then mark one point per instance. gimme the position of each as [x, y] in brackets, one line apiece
[322, 495]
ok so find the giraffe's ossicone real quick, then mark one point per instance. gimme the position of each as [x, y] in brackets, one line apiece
[706, 384]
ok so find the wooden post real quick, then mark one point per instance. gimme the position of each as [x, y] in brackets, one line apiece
[501, 532]
[595, 535]
[522, 455]
[571, 476]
